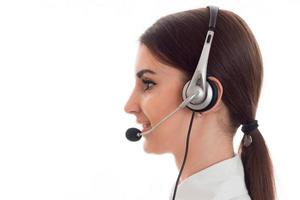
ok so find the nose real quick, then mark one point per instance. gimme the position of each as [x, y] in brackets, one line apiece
[131, 105]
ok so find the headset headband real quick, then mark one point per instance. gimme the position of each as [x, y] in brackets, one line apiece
[199, 77]
[213, 13]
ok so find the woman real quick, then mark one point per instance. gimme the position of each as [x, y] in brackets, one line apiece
[166, 60]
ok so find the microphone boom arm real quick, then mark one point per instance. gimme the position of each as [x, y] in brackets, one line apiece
[182, 105]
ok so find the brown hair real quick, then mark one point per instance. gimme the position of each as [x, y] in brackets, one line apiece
[235, 60]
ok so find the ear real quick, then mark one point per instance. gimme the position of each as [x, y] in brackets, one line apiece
[220, 94]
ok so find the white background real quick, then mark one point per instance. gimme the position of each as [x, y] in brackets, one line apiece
[66, 71]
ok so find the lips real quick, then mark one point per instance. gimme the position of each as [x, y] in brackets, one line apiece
[146, 127]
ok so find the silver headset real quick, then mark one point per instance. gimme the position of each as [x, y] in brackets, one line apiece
[206, 89]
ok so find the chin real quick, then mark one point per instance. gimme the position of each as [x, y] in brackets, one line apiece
[153, 149]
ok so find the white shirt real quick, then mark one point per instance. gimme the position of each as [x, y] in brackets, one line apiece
[221, 181]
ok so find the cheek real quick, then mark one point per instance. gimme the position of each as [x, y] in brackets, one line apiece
[153, 107]
[166, 137]
[159, 104]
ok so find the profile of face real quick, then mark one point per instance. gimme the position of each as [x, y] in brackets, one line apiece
[157, 92]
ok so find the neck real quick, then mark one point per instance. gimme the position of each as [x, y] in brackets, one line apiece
[204, 151]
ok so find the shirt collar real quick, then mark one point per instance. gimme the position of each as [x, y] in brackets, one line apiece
[223, 180]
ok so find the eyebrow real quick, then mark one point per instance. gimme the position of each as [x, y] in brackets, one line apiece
[143, 71]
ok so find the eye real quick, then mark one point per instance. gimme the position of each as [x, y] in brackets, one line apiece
[148, 84]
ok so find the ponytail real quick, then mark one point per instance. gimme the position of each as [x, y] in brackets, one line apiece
[258, 169]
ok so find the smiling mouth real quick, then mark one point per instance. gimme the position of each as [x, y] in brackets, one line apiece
[146, 127]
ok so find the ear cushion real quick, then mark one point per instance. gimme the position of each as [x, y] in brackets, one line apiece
[214, 96]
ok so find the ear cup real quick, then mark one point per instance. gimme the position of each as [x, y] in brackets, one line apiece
[198, 105]
[214, 96]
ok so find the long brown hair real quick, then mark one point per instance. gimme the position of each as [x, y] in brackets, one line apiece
[235, 60]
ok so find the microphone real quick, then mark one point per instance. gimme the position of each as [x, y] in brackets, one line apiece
[134, 134]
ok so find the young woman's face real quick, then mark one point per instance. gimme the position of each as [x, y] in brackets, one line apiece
[157, 93]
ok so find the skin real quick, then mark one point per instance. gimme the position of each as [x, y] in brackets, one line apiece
[211, 139]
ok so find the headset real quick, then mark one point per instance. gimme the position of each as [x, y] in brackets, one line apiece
[206, 90]
[199, 94]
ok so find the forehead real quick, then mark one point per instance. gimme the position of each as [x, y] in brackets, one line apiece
[146, 60]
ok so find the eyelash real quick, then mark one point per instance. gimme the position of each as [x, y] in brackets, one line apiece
[147, 82]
